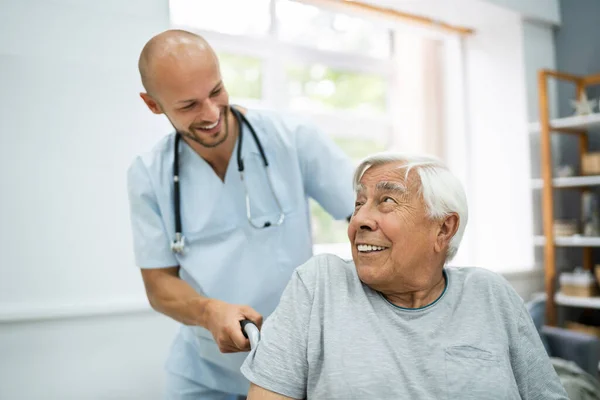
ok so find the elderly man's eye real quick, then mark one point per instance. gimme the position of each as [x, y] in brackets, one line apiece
[388, 199]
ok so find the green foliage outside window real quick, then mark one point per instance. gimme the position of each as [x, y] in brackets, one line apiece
[323, 88]
[242, 75]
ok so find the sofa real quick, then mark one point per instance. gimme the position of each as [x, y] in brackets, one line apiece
[581, 348]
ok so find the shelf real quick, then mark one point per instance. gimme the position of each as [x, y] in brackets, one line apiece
[570, 241]
[569, 182]
[573, 301]
[586, 122]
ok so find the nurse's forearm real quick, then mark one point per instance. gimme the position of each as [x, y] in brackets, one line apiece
[174, 297]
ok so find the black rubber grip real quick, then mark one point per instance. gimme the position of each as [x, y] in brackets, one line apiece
[243, 324]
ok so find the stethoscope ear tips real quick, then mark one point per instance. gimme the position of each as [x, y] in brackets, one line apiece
[267, 224]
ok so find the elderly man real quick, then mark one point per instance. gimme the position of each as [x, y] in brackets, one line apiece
[394, 323]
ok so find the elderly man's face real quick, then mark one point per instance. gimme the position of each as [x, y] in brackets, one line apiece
[192, 95]
[391, 235]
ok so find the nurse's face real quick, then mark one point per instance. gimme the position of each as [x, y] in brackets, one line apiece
[190, 92]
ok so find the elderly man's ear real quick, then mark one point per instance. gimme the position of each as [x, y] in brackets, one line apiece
[446, 232]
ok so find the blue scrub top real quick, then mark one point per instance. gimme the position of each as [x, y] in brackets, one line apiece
[225, 257]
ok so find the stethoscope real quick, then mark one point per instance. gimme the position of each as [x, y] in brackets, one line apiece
[178, 244]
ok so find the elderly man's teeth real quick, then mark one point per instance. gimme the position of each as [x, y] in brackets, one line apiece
[368, 247]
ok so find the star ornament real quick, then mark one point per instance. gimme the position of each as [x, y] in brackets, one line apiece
[583, 106]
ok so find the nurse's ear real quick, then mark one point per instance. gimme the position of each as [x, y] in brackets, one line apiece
[151, 103]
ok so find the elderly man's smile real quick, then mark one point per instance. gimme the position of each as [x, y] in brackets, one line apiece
[370, 248]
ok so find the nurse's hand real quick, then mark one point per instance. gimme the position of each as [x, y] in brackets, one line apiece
[223, 321]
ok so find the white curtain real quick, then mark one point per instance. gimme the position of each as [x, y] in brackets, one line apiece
[428, 106]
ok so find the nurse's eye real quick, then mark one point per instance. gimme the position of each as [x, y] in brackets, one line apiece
[216, 92]
[188, 107]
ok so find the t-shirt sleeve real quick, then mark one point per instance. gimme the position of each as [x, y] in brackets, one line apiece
[279, 362]
[151, 243]
[327, 171]
[533, 371]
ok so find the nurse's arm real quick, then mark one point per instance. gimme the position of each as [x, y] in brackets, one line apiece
[260, 393]
[174, 297]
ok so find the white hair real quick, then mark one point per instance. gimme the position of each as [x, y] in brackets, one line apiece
[442, 192]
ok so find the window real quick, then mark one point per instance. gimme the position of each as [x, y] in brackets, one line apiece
[336, 69]
[242, 75]
[248, 17]
[317, 87]
[312, 26]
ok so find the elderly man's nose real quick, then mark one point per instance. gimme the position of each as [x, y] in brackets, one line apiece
[364, 220]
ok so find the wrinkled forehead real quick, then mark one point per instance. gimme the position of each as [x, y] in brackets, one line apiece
[388, 177]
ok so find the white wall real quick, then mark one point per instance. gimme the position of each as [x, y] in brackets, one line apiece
[547, 11]
[539, 51]
[540, 19]
[71, 123]
[99, 358]
[500, 198]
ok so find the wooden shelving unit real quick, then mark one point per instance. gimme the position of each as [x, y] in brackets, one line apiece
[587, 122]
[569, 241]
[581, 127]
[569, 182]
[573, 301]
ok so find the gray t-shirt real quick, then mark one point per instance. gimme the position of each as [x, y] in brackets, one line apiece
[332, 337]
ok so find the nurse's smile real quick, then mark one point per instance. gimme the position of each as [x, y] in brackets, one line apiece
[210, 129]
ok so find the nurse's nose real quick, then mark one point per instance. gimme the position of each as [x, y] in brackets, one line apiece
[210, 111]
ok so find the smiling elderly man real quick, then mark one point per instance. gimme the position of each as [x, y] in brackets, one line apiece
[395, 323]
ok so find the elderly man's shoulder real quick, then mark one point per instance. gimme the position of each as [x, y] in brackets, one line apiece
[481, 277]
[326, 267]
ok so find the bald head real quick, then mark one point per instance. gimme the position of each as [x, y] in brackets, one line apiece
[169, 51]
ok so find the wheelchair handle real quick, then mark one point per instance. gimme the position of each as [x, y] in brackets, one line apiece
[251, 332]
